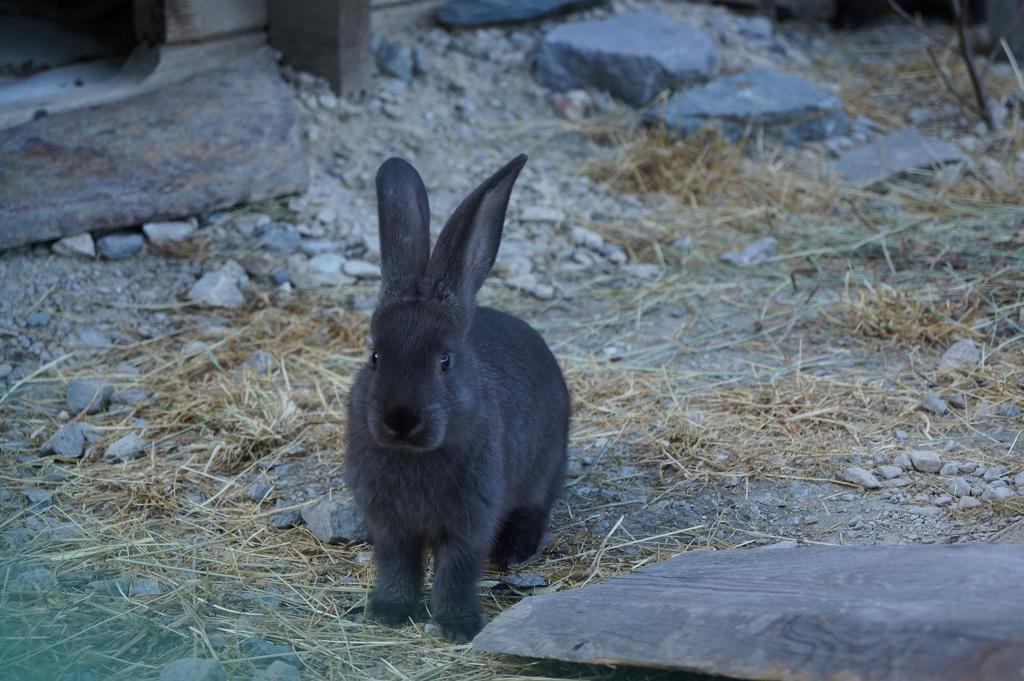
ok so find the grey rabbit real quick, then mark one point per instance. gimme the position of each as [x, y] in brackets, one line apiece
[458, 424]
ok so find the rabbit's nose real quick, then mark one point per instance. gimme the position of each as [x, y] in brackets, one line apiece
[401, 421]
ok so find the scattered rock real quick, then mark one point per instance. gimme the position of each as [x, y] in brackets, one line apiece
[37, 496]
[120, 245]
[960, 355]
[324, 269]
[926, 461]
[284, 519]
[634, 56]
[996, 491]
[1019, 480]
[1009, 410]
[89, 395]
[902, 460]
[524, 580]
[394, 60]
[5, 370]
[280, 239]
[37, 318]
[163, 233]
[335, 520]
[258, 491]
[755, 251]
[926, 511]
[193, 669]
[261, 648]
[950, 468]
[77, 245]
[861, 477]
[902, 151]
[361, 269]
[958, 487]
[145, 587]
[486, 12]
[784, 105]
[969, 502]
[890, 472]
[68, 442]
[934, 404]
[216, 289]
[126, 448]
[994, 473]
[542, 215]
[278, 671]
[27, 580]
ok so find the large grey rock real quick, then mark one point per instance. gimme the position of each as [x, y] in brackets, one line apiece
[216, 289]
[484, 12]
[335, 520]
[900, 152]
[90, 395]
[634, 56]
[782, 105]
[120, 245]
[193, 669]
[224, 137]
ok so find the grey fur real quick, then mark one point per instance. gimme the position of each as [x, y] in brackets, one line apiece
[465, 461]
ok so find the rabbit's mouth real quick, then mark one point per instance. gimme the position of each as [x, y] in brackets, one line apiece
[404, 428]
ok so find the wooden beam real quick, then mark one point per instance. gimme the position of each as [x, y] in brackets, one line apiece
[878, 613]
[330, 38]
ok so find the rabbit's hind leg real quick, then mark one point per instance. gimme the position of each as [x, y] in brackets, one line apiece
[521, 537]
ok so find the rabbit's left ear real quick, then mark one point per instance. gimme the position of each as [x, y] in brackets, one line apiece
[468, 244]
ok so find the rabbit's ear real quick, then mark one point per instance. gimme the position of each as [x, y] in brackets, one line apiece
[404, 218]
[468, 244]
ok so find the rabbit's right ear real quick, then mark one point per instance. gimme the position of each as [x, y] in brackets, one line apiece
[404, 219]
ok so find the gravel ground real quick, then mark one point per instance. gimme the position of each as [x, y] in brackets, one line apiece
[786, 419]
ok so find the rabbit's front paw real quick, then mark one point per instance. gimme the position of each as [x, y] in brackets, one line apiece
[391, 613]
[461, 628]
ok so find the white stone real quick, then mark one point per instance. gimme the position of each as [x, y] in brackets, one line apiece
[160, 233]
[216, 289]
[926, 461]
[79, 244]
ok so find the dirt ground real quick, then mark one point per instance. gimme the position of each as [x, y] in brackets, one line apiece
[716, 406]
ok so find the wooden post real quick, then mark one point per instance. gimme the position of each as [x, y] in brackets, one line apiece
[330, 38]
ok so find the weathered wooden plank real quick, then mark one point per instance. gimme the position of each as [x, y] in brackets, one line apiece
[192, 20]
[390, 15]
[221, 138]
[330, 38]
[878, 613]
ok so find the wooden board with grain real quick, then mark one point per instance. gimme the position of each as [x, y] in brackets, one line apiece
[878, 613]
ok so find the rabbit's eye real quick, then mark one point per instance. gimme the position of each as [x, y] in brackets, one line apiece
[373, 360]
[446, 361]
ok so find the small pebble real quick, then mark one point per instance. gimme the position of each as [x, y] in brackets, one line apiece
[278, 671]
[950, 468]
[37, 318]
[969, 502]
[861, 477]
[994, 473]
[890, 472]
[193, 669]
[925, 461]
[934, 404]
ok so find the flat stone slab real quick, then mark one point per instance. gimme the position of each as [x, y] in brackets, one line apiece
[485, 12]
[903, 151]
[782, 105]
[856, 613]
[633, 56]
[222, 138]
